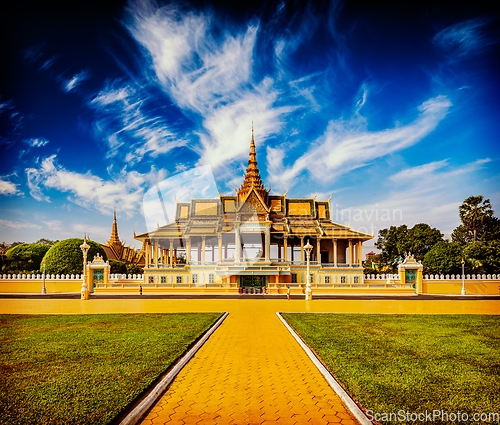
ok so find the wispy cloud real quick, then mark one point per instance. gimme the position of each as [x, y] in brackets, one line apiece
[211, 76]
[17, 225]
[8, 188]
[466, 38]
[37, 142]
[90, 229]
[88, 190]
[75, 81]
[130, 126]
[429, 193]
[347, 145]
[54, 225]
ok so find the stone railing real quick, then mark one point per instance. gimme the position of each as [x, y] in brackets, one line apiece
[382, 276]
[30, 276]
[120, 276]
[459, 277]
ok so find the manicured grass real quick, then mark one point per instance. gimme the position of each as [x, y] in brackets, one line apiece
[410, 362]
[85, 369]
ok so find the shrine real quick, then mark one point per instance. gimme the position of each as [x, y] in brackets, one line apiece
[251, 242]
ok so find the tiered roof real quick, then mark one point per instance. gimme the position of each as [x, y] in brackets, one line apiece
[293, 217]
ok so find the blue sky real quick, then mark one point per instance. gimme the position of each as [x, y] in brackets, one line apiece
[392, 110]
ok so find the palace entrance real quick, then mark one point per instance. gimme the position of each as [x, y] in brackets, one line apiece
[252, 284]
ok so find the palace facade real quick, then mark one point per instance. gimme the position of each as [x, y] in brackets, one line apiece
[251, 242]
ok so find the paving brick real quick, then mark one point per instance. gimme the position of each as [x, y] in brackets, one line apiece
[250, 371]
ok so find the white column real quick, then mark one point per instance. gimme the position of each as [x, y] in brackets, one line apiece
[237, 247]
[318, 250]
[302, 249]
[267, 239]
[203, 250]
[188, 250]
[220, 248]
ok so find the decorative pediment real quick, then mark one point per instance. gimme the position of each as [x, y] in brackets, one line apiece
[253, 204]
[98, 260]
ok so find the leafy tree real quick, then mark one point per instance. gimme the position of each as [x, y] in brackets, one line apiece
[66, 257]
[25, 257]
[134, 269]
[46, 241]
[444, 257]
[117, 267]
[483, 257]
[473, 212]
[395, 242]
[462, 235]
[490, 231]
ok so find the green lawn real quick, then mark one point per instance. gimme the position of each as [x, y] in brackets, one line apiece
[85, 369]
[414, 363]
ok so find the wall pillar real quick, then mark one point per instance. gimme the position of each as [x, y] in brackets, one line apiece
[302, 249]
[318, 250]
[220, 248]
[335, 252]
[267, 239]
[350, 252]
[237, 247]
[360, 253]
[146, 253]
[171, 252]
[203, 250]
[285, 247]
[188, 250]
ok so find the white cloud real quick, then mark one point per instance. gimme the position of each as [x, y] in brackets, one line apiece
[17, 225]
[37, 142]
[88, 190]
[465, 38]
[128, 128]
[429, 193]
[210, 76]
[54, 225]
[347, 145]
[90, 230]
[196, 69]
[229, 129]
[418, 172]
[8, 188]
[75, 81]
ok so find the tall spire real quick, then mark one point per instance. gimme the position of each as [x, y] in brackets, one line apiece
[114, 240]
[252, 176]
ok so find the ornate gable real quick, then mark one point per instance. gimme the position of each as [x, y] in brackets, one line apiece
[253, 204]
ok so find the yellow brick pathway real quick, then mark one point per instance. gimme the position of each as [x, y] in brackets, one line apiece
[250, 371]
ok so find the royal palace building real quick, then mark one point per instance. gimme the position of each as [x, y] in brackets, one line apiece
[251, 242]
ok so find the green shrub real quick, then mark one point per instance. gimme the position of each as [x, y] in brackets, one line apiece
[66, 257]
[117, 266]
[134, 269]
[25, 257]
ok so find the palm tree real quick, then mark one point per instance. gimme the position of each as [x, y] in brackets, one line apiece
[474, 212]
